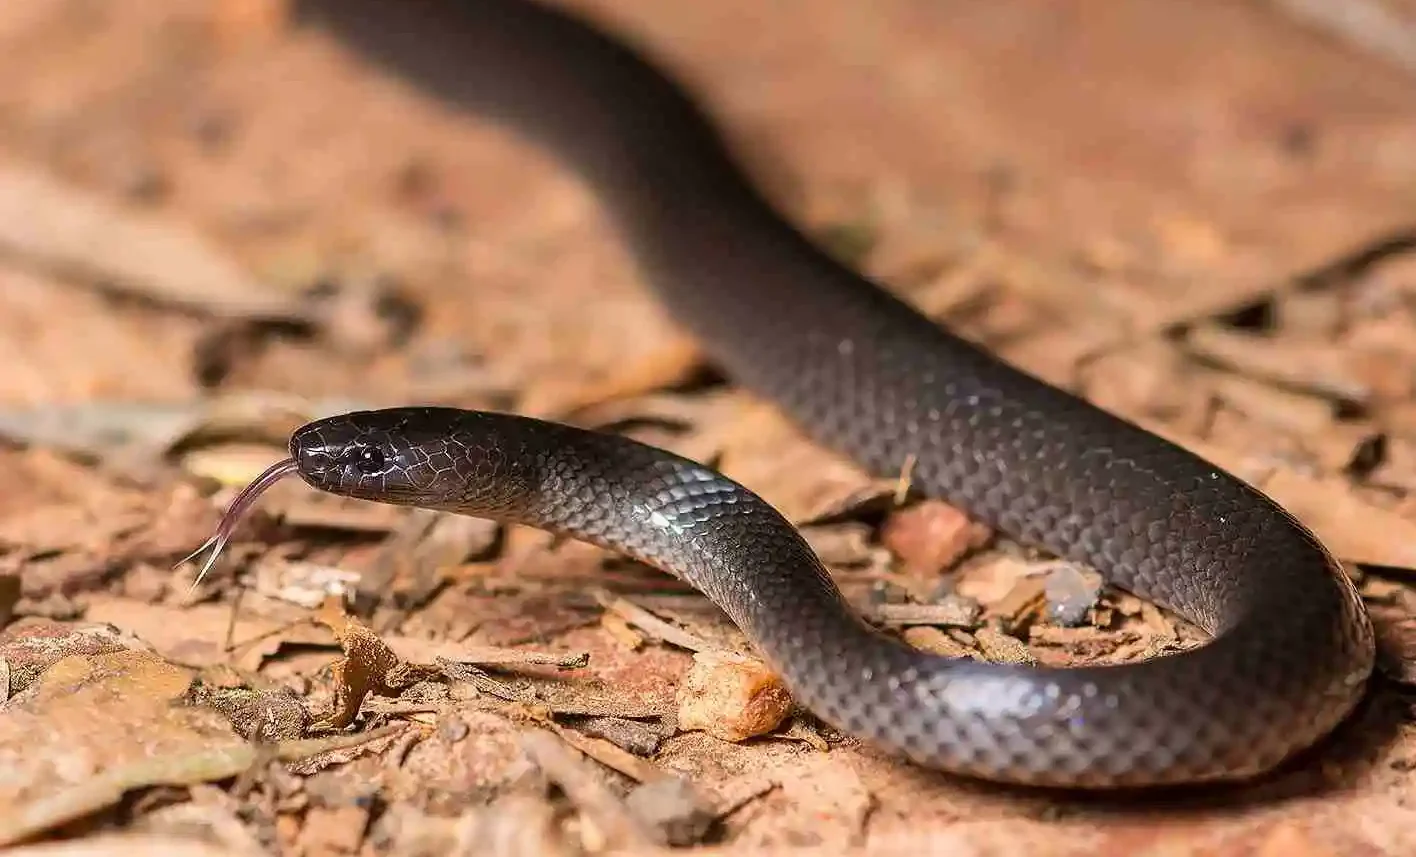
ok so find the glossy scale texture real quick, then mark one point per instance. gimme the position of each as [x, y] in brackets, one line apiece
[864, 373]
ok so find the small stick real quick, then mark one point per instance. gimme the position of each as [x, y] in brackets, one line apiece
[646, 621]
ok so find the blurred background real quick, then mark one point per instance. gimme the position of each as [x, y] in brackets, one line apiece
[221, 219]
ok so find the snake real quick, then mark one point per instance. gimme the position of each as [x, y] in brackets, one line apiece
[1288, 646]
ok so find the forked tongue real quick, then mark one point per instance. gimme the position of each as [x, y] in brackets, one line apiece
[234, 513]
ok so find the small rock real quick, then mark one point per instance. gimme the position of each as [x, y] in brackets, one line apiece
[930, 537]
[1071, 594]
[731, 697]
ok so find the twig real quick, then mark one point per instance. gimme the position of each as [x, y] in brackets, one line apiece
[503, 691]
[653, 625]
[905, 481]
[496, 656]
[583, 786]
[952, 613]
[228, 644]
[232, 645]
[1370, 26]
[607, 753]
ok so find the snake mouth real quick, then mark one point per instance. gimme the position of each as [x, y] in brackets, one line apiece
[236, 512]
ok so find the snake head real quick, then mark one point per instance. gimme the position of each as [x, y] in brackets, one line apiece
[435, 458]
[370, 455]
[374, 455]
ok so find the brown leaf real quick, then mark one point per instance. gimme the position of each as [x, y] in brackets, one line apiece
[196, 634]
[129, 845]
[32, 646]
[368, 666]
[66, 229]
[51, 739]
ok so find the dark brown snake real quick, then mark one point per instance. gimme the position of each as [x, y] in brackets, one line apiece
[865, 374]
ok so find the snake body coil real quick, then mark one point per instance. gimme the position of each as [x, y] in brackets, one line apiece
[867, 375]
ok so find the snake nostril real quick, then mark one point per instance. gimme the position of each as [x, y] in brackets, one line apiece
[314, 462]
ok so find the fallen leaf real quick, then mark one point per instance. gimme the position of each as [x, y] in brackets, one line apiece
[63, 228]
[53, 739]
[32, 646]
[129, 845]
[368, 666]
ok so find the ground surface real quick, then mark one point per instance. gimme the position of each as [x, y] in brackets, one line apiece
[1198, 214]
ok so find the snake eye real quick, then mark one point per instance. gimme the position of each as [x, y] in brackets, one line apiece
[368, 460]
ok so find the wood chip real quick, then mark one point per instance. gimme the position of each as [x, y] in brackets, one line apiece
[1001, 648]
[619, 628]
[1026, 598]
[496, 656]
[953, 611]
[731, 697]
[574, 708]
[629, 735]
[930, 639]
